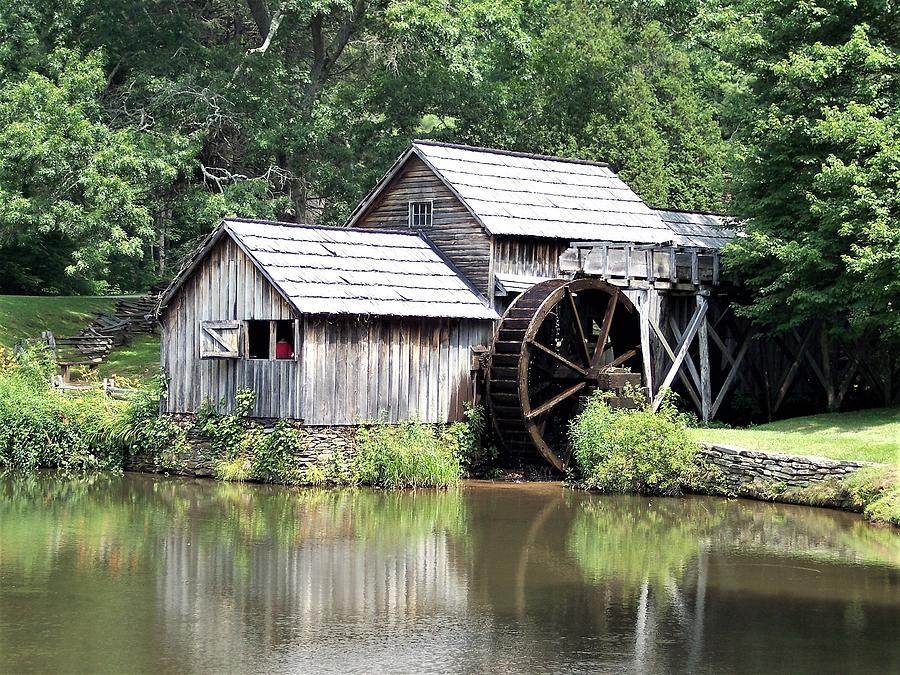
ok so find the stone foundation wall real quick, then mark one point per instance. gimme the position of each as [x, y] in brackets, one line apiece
[198, 461]
[745, 467]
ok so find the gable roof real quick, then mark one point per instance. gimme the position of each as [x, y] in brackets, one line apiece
[694, 228]
[329, 270]
[515, 193]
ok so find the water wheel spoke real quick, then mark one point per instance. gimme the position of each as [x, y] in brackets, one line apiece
[605, 326]
[585, 352]
[556, 400]
[619, 360]
[559, 357]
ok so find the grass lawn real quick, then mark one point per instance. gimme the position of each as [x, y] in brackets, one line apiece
[136, 362]
[866, 435]
[26, 316]
[23, 316]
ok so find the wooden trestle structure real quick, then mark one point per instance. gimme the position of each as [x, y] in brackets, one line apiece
[658, 316]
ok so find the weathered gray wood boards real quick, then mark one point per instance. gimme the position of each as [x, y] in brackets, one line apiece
[453, 229]
[512, 220]
[357, 355]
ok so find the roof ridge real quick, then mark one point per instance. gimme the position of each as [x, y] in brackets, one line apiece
[512, 153]
[308, 226]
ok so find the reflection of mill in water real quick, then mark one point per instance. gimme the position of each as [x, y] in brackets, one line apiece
[494, 578]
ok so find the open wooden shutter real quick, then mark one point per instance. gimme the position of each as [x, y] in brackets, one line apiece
[220, 339]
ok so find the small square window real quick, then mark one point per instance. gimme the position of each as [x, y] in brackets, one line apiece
[420, 214]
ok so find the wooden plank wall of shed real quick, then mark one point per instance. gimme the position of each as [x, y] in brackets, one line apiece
[454, 231]
[526, 256]
[225, 286]
[357, 368]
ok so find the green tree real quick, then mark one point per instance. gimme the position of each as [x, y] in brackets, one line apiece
[818, 181]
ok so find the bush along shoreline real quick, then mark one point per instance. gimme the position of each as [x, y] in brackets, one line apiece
[622, 450]
[43, 428]
[616, 450]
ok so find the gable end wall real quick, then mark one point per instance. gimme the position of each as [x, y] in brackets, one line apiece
[454, 231]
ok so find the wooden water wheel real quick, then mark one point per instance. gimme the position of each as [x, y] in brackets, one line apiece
[558, 341]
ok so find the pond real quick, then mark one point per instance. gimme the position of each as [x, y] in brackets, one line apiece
[141, 573]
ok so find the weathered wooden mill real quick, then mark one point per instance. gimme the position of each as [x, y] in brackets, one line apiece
[529, 280]
[597, 289]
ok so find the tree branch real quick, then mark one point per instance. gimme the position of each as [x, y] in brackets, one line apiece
[273, 28]
[259, 10]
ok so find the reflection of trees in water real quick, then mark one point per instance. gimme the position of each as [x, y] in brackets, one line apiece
[254, 576]
[639, 543]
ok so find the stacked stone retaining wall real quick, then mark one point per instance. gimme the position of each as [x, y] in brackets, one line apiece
[199, 461]
[742, 468]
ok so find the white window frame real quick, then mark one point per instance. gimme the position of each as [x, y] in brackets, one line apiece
[428, 213]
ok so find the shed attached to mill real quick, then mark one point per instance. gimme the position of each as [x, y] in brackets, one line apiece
[330, 326]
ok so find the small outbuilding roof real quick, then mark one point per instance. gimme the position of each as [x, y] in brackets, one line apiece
[515, 193]
[693, 228]
[330, 270]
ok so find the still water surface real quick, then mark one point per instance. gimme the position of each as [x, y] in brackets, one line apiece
[151, 574]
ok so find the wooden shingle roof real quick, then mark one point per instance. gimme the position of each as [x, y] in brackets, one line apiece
[693, 228]
[521, 194]
[329, 270]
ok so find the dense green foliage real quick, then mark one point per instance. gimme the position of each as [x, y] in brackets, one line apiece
[818, 162]
[41, 428]
[389, 456]
[123, 140]
[411, 454]
[633, 450]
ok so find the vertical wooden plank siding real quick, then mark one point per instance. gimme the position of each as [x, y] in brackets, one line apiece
[528, 256]
[411, 368]
[453, 229]
[226, 286]
[348, 368]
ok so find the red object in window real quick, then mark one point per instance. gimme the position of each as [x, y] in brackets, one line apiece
[284, 350]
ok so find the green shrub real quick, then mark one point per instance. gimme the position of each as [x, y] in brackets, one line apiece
[41, 427]
[876, 491]
[138, 427]
[633, 450]
[411, 454]
[468, 437]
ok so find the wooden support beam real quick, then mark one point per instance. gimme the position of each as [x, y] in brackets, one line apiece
[705, 382]
[792, 372]
[685, 380]
[644, 307]
[732, 376]
[684, 345]
[688, 361]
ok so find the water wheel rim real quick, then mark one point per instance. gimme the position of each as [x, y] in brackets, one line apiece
[556, 291]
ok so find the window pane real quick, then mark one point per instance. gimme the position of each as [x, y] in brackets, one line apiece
[419, 214]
